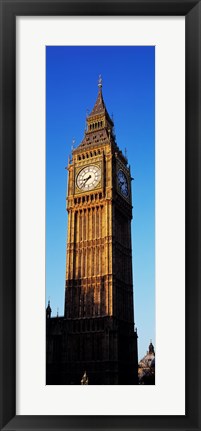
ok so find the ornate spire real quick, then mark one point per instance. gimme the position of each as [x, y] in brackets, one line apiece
[151, 347]
[98, 120]
[48, 310]
[99, 107]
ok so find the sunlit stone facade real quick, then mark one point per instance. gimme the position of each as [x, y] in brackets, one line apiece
[96, 334]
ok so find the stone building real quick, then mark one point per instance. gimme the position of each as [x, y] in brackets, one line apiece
[96, 336]
[146, 367]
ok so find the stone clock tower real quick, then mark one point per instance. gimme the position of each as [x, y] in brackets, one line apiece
[99, 289]
[97, 333]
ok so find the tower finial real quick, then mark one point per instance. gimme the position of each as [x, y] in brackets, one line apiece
[100, 81]
[48, 310]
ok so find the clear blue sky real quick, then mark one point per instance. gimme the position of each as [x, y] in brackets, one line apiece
[129, 92]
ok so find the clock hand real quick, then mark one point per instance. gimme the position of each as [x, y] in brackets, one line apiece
[86, 179]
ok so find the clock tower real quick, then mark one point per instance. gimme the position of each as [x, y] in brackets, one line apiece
[100, 338]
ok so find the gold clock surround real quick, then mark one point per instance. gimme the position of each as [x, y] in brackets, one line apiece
[79, 169]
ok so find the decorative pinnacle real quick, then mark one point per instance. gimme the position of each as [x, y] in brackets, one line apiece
[100, 81]
[73, 144]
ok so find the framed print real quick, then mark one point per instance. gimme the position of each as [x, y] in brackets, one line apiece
[28, 180]
[43, 46]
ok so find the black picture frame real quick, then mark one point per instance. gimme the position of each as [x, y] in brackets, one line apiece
[9, 11]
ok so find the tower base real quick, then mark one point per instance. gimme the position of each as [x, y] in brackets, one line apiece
[103, 347]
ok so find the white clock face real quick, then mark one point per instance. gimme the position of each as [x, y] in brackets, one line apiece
[123, 183]
[88, 177]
